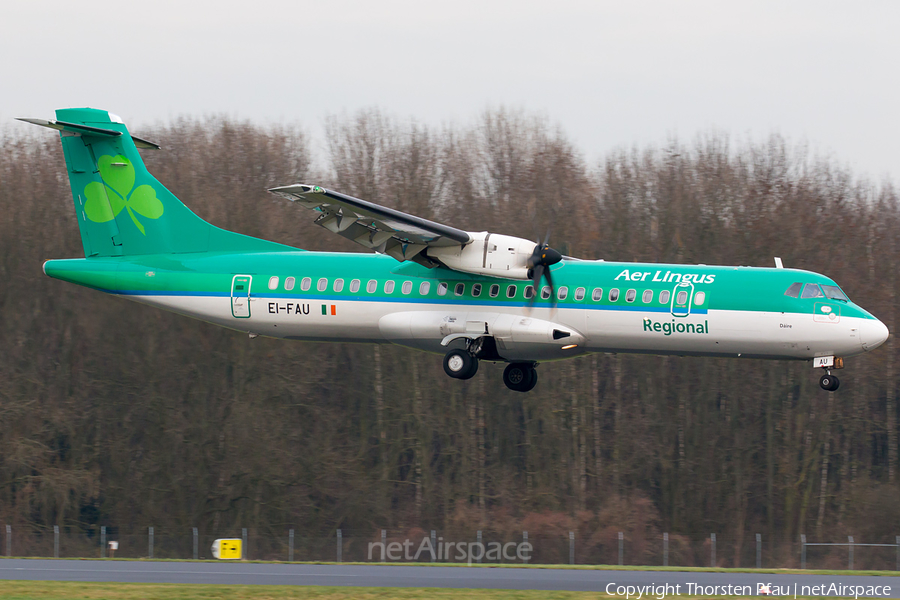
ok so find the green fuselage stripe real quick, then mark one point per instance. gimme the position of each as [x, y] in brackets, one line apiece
[211, 274]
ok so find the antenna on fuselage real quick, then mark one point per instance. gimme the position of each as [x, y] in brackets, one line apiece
[778, 263]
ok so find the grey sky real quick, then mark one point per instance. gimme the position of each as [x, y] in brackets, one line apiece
[611, 73]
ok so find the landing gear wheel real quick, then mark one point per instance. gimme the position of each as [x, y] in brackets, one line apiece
[460, 364]
[520, 377]
[829, 382]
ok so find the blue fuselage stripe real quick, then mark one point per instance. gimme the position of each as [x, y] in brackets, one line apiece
[409, 300]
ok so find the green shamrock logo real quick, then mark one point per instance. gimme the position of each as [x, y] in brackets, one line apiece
[118, 176]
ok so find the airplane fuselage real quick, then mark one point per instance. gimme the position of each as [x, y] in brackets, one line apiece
[602, 306]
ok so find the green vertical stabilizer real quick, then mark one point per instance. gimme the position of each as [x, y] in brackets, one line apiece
[122, 209]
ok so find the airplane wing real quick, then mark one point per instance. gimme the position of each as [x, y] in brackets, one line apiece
[398, 234]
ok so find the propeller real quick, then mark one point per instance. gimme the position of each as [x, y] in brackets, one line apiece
[539, 264]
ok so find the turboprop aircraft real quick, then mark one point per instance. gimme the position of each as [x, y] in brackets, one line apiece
[472, 296]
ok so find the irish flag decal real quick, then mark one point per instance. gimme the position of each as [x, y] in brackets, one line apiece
[325, 309]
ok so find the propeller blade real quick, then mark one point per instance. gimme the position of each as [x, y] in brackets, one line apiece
[537, 272]
[552, 289]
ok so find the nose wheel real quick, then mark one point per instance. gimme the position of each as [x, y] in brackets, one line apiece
[520, 377]
[460, 364]
[829, 382]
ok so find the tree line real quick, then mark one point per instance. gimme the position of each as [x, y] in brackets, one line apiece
[116, 413]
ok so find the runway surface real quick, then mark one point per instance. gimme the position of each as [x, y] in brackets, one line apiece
[397, 576]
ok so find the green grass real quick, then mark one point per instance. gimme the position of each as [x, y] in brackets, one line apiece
[52, 590]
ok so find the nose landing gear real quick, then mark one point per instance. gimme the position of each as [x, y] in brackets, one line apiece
[829, 382]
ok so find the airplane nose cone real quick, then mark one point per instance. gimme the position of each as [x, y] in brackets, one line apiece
[872, 333]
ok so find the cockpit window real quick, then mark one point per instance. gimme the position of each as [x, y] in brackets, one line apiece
[834, 292]
[812, 291]
[794, 290]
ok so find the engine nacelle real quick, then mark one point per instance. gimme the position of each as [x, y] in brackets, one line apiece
[488, 254]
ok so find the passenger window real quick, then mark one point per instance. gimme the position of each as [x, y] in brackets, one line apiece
[545, 292]
[273, 282]
[597, 294]
[495, 290]
[812, 291]
[511, 291]
[664, 297]
[305, 284]
[442, 289]
[699, 298]
[388, 287]
[322, 285]
[613, 294]
[529, 292]
[794, 290]
[289, 283]
[354, 286]
[579, 294]
[647, 297]
[371, 286]
[460, 289]
[562, 293]
[681, 298]
[407, 287]
[424, 287]
[630, 295]
[338, 285]
[476, 289]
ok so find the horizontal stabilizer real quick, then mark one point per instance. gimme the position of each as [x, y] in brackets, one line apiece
[78, 129]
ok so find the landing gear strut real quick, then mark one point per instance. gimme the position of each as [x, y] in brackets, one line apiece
[520, 377]
[460, 364]
[829, 382]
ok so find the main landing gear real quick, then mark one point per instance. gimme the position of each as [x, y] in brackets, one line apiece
[520, 377]
[463, 364]
[460, 364]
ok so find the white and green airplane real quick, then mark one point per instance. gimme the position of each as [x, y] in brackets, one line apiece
[471, 296]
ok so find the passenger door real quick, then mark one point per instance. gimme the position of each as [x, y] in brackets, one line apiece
[682, 298]
[240, 296]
